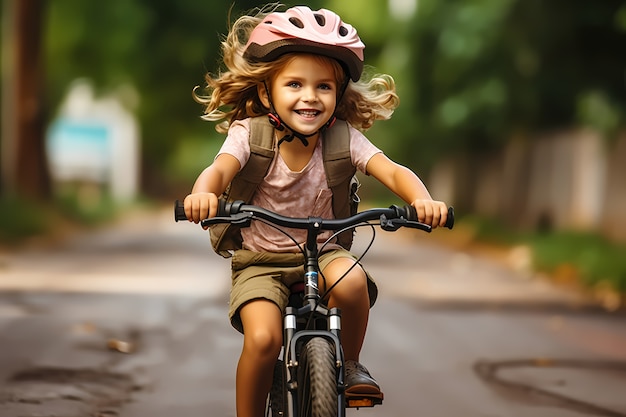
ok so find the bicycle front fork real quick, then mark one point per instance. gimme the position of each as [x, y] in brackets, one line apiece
[294, 339]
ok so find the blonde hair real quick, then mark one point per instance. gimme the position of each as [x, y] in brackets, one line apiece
[233, 94]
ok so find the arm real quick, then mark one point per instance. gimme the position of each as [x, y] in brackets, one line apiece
[408, 186]
[202, 203]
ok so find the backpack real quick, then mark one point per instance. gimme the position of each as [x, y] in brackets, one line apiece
[340, 176]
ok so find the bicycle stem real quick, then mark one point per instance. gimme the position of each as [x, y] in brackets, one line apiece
[312, 294]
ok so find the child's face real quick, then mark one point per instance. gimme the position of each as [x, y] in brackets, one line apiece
[304, 93]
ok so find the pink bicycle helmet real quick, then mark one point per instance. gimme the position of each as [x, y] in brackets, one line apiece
[299, 29]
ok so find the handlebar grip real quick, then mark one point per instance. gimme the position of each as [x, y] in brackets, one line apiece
[450, 220]
[410, 213]
[179, 211]
[226, 208]
[223, 208]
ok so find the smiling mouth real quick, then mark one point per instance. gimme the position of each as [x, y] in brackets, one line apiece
[308, 113]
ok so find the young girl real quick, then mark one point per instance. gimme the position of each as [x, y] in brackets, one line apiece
[302, 69]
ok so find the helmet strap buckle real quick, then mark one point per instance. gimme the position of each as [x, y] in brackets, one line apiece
[275, 121]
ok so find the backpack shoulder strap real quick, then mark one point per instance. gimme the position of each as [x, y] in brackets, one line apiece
[336, 154]
[340, 174]
[262, 153]
[226, 237]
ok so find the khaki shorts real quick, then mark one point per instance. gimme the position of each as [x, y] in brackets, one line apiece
[269, 275]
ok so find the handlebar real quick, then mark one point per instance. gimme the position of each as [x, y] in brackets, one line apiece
[391, 219]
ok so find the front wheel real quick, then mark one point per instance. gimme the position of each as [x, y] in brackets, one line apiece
[278, 392]
[317, 379]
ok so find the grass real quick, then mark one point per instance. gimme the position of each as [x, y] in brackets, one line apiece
[596, 260]
[21, 220]
[588, 257]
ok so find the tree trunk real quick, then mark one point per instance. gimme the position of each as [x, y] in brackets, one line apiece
[24, 166]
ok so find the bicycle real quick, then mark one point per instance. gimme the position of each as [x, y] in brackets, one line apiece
[309, 373]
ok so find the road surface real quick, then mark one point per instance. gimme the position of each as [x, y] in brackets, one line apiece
[131, 321]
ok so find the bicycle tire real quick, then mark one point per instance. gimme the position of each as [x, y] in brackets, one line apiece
[278, 391]
[317, 379]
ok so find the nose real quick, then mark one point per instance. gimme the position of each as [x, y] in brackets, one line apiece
[309, 95]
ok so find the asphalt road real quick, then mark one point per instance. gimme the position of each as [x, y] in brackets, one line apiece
[131, 321]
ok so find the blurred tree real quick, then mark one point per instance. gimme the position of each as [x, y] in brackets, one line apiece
[487, 68]
[162, 48]
[564, 52]
[469, 72]
[24, 173]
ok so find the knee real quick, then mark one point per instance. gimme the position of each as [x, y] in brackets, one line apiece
[353, 286]
[263, 342]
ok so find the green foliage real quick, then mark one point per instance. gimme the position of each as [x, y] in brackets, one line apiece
[162, 48]
[485, 68]
[595, 109]
[594, 258]
[469, 72]
[191, 156]
[371, 19]
[461, 89]
[491, 231]
[75, 206]
[86, 204]
[20, 219]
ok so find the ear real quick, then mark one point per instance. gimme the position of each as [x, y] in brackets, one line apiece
[263, 96]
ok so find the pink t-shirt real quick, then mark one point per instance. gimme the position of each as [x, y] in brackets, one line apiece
[294, 194]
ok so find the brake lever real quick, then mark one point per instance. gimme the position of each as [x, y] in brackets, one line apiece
[391, 225]
[243, 219]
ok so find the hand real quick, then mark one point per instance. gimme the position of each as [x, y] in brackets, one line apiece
[431, 212]
[200, 206]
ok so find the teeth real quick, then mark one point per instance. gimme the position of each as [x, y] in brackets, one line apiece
[307, 112]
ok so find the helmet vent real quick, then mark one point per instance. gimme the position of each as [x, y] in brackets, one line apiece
[321, 20]
[296, 22]
[343, 31]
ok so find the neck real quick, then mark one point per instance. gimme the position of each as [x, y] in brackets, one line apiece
[282, 138]
[296, 155]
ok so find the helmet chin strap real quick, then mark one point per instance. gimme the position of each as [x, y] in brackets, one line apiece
[280, 125]
[291, 136]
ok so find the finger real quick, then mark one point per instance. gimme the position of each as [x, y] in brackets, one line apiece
[436, 220]
[444, 215]
[188, 204]
[213, 205]
[195, 210]
[205, 206]
[419, 210]
[428, 214]
[199, 209]
[209, 208]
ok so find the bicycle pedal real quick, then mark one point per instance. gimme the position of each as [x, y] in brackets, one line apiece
[363, 400]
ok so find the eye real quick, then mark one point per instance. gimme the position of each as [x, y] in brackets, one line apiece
[293, 84]
[325, 86]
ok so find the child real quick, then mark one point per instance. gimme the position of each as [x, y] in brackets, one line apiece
[301, 68]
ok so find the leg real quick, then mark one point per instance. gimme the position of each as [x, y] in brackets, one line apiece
[262, 340]
[351, 296]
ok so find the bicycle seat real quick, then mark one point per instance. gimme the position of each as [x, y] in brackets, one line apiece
[296, 287]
